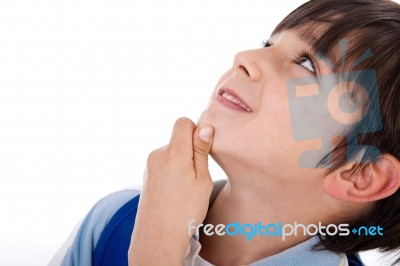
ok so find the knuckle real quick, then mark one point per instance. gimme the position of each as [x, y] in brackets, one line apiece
[173, 156]
[182, 121]
[152, 157]
[172, 152]
[200, 153]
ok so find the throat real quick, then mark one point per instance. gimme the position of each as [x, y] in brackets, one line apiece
[236, 249]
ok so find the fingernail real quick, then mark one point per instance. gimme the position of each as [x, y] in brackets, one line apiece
[205, 133]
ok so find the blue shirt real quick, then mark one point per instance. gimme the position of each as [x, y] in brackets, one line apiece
[104, 236]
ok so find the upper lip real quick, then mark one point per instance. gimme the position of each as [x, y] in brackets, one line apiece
[233, 93]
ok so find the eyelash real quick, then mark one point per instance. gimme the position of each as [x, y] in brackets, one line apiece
[301, 55]
[305, 55]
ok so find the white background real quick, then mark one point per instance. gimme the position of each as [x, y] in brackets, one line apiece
[88, 88]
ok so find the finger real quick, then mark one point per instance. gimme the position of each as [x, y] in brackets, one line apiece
[202, 142]
[181, 138]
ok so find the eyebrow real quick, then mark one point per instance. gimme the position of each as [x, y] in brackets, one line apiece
[301, 34]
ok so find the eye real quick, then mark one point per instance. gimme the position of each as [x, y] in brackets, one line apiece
[307, 63]
[265, 44]
[304, 60]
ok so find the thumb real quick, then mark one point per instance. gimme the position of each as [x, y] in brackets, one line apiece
[202, 142]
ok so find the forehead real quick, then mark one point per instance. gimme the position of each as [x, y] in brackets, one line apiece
[290, 35]
[308, 33]
[336, 54]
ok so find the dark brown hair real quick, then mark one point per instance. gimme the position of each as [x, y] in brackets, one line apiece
[374, 25]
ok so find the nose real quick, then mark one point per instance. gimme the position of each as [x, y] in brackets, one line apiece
[246, 63]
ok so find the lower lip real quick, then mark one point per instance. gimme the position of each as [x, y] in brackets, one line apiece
[230, 104]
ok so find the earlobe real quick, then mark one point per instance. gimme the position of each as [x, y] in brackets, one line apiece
[364, 183]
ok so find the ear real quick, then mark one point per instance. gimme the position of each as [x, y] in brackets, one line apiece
[369, 182]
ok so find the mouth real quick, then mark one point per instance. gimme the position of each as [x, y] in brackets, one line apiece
[231, 99]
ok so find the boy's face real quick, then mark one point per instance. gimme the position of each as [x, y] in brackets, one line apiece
[260, 135]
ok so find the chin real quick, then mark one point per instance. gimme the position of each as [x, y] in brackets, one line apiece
[223, 141]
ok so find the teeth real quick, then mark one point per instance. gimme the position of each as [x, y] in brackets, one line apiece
[230, 98]
[234, 100]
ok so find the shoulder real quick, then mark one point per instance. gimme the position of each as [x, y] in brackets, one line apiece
[95, 225]
[103, 211]
[105, 208]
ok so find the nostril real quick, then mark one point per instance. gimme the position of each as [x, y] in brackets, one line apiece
[241, 67]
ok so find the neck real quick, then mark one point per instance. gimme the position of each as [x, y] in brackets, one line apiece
[251, 200]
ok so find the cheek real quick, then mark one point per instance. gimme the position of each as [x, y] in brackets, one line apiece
[273, 138]
[273, 119]
[264, 138]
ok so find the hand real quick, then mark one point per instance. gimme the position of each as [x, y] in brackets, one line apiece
[177, 188]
